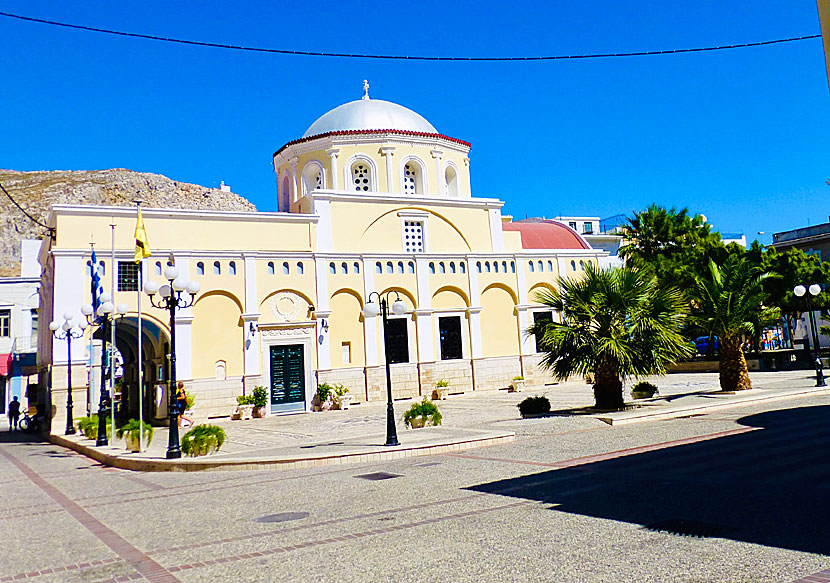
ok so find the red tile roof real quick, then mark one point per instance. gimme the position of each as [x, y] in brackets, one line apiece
[547, 234]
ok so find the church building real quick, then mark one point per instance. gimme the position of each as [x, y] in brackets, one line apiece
[373, 203]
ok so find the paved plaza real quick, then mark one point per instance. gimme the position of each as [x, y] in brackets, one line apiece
[693, 487]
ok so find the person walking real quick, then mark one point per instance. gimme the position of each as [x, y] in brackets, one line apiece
[14, 414]
[181, 401]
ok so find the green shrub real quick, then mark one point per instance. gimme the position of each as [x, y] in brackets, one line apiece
[245, 400]
[442, 384]
[339, 389]
[324, 391]
[132, 427]
[644, 388]
[260, 396]
[89, 426]
[534, 406]
[426, 409]
[518, 378]
[190, 400]
[202, 440]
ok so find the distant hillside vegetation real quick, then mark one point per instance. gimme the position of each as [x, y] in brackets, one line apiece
[36, 191]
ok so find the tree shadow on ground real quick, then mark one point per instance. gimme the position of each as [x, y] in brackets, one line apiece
[20, 437]
[768, 486]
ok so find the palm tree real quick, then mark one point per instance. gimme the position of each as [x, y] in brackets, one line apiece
[730, 306]
[615, 323]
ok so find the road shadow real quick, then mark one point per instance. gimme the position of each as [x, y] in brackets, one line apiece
[768, 486]
[7, 436]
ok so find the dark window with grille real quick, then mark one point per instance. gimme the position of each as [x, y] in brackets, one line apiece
[539, 318]
[449, 329]
[5, 323]
[397, 341]
[128, 275]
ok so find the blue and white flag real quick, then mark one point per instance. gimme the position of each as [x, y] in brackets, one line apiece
[96, 287]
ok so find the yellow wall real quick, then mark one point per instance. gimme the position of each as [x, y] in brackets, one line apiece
[346, 325]
[499, 324]
[217, 334]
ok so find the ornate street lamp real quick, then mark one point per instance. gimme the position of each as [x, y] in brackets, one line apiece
[371, 309]
[171, 299]
[814, 290]
[103, 317]
[68, 331]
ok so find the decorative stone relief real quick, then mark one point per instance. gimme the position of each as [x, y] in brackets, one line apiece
[274, 332]
[286, 306]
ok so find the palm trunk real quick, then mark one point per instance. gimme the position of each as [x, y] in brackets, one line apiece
[734, 374]
[608, 393]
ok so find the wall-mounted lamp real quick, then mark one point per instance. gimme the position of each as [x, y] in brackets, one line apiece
[253, 328]
[324, 325]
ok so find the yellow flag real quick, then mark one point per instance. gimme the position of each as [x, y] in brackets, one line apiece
[142, 246]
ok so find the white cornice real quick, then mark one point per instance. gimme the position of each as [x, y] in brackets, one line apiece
[418, 200]
[391, 139]
[184, 214]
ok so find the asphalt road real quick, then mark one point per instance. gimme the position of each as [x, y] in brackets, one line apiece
[571, 500]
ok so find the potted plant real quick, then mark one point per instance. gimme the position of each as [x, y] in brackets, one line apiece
[643, 390]
[340, 397]
[260, 401]
[89, 426]
[441, 389]
[517, 385]
[244, 407]
[203, 440]
[190, 400]
[534, 406]
[423, 413]
[131, 432]
[323, 397]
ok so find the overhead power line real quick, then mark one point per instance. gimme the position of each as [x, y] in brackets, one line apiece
[403, 57]
[28, 216]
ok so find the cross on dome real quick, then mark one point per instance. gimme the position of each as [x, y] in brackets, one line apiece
[365, 89]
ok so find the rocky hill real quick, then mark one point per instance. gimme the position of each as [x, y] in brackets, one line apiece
[36, 191]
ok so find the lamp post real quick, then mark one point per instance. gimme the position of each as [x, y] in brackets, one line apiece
[814, 290]
[171, 299]
[68, 331]
[103, 317]
[370, 310]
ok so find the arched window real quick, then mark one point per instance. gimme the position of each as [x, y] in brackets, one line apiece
[582, 266]
[232, 267]
[285, 195]
[389, 267]
[411, 266]
[487, 266]
[344, 268]
[451, 182]
[200, 268]
[512, 267]
[530, 265]
[300, 267]
[496, 266]
[356, 267]
[478, 266]
[332, 268]
[270, 268]
[573, 265]
[361, 176]
[431, 267]
[285, 269]
[413, 179]
[158, 267]
[378, 267]
[312, 177]
[452, 266]
[441, 268]
[463, 267]
[217, 268]
[541, 267]
[400, 266]
[550, 266]
[504, 266]
[102, 268]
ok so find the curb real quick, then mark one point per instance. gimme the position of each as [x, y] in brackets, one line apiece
[382, 453]
[682, 412]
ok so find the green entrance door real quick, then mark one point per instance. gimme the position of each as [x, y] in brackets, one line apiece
[287, 378]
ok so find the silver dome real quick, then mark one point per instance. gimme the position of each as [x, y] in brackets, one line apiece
[370, 114]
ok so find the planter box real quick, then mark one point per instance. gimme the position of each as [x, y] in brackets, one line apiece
[243, 412]
[440, 393]
[260, 412]
[132, 442]
[517, 386]
[342, 402]
[417, 423]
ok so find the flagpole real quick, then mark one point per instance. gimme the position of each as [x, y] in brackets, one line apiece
[89, 393]
[112, 335]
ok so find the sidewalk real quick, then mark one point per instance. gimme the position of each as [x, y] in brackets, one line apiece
[470, 420]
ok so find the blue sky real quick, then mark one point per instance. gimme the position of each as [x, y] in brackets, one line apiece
[740, 135]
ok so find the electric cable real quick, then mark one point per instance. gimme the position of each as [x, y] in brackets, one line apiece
[28, 216]
[404, 57]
